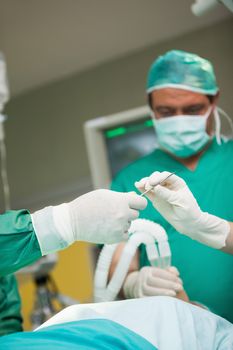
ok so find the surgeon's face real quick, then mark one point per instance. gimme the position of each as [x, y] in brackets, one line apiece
[169, 102]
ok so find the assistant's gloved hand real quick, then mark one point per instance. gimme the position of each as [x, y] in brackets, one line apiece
[151, 281]
[100, 216]
[176, 203]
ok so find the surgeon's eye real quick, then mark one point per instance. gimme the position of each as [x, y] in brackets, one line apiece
[195, 109]
[164, 112]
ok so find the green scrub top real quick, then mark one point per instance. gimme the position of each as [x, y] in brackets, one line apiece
[207, 273]
[18, 247]
[96, 334]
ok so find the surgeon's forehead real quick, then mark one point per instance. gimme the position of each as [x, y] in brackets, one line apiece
[176, 97]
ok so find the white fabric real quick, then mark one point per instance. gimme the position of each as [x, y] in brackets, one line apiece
[49, 239]
[62, 222]
[168, 323]
[151, 281]
[176, 203]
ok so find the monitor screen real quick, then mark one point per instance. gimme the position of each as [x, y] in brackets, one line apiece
[128, 142]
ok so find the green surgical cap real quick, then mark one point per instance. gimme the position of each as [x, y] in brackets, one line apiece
[182, 70]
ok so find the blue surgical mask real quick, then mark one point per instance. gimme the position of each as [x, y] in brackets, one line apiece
[183, 135]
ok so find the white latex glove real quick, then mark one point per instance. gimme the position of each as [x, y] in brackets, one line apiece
[176, 203]
[100, 216]
[151, 281]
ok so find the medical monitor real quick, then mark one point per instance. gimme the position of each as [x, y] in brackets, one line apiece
[116, 140]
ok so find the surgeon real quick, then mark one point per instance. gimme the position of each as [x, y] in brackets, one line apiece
[100, 216]
[175, 202]
[182, 95]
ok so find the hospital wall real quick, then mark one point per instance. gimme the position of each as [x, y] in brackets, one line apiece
[47, 159]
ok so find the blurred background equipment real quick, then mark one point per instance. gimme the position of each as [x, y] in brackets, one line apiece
[118, 139]
[201, 7]
[4, 98]
[47, 299]
[4, 88]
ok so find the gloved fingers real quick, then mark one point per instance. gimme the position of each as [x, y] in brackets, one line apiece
[174, 270]
[153, 180]
[140, 185]
[174, 182]
[164, 283]
[161, 192]
[157, 177]
[143, 186]
[133, 214]
[125, 236]
[157, 272]
[126, 226]
[152, 291]
[136, 202]
[125, 232]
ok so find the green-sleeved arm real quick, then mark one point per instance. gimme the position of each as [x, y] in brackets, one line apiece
[10, 306]
[18, 243]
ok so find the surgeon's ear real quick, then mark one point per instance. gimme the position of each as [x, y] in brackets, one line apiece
[210, 121]
[216, 98]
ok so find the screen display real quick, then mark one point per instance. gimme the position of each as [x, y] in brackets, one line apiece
[128, 142]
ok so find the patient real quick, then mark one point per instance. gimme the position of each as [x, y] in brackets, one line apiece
[148, 323]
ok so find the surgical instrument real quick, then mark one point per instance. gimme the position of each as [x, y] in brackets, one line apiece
[145, 192]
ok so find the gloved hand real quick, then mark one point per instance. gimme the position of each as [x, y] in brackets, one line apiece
[100, 216]
[151, 281]
[176, 203]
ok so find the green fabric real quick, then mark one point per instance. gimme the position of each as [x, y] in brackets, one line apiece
[18, 247]
[10, 305]
[182, 69]
[207, 273]
[86, 335]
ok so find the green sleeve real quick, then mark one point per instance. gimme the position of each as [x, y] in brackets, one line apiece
[18, 243]
[10, 305]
